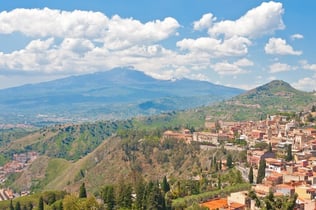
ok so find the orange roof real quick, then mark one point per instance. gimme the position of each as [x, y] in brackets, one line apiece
[234, 205]
[217, 203]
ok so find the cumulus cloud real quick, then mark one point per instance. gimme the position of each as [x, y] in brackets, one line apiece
[306, 84]
[127, 32]
[279, 67]
[307, 66]
[56, 23]
[234, 46]
[262, 20]
[85, 24]
[205, 22]
[278, 46]
[297, 36]
[226, 68]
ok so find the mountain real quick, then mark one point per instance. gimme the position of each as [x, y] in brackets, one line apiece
[274, 97]
[115, 94]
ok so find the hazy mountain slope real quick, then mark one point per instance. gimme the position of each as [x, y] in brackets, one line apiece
[119, 93]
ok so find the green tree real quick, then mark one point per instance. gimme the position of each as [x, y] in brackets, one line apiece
[82, 191]
[229, 161]
[250, 175]
[270, 147]
[261, 171]
[41, 203]
[30, 206]
[289, 156]
[154, 198]
[219, 182]
[313, 108]
[60, 206]
[11, 205]
[165, 185]
[124, 195]
[17, 206]
[109, 197]
[140, 194]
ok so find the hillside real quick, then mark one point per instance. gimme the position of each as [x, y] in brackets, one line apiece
[271, 98]
[104, 152]
[116, 94]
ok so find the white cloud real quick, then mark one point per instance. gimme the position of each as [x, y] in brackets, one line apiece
[127, 32]
[226, 68]
[278, 46]
[244, 62]
[115, 32]
[306, 84]
[297, 36]
[205, 22]
[279, 67]
[234, 46]
[307, 66]
[264, 19]
[56, 23]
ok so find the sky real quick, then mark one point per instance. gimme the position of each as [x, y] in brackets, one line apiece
[237, 43]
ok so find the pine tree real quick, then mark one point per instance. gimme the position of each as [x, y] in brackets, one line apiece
[165, 185]
[261, 171]
[155, 198]
[250, 175]
[140, 194]
[220, 165]
[109, 197]
[41, 203]
[82, 191]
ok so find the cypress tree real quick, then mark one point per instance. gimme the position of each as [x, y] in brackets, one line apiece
[17, 206]
[165, 185]
[270, 147]
[289, 155]
[41, 203]
[250, 175]
[60, 206]
[261, 171]
[11, 205]
[82, 191]
[229, 161]
[219, 183]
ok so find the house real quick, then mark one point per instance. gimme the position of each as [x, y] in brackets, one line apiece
[254, 156]
[206, 137]
[305, 192]
[285, 189]
[183, 136]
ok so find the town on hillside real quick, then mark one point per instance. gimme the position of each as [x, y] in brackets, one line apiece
[281, 158]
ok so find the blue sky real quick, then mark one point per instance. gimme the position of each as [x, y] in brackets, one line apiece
[239, 43]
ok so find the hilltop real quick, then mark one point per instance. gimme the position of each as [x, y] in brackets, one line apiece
[274, 97]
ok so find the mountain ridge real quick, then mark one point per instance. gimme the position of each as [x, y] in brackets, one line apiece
[118, 93]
